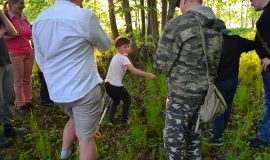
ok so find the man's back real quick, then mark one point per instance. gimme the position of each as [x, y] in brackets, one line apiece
[64, 50]
[187, 80]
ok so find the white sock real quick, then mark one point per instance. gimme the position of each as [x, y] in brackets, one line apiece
[65, 153]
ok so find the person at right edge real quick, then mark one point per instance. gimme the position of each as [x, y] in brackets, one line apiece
[263, 25]
[181, 57]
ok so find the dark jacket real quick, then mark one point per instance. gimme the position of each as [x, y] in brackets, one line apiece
[229, 62]
[263, 26]
[4, 56]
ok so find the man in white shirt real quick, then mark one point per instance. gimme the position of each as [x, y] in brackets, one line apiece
[64, 37]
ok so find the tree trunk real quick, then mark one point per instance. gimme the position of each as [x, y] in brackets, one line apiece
[129, 29]
[230, 20]
[137, 23]
[164, 13]
[127, 16]
[112, 19]
[152, 4]
[172, 6]
[247, 10]
[142, 19]
[242, 13]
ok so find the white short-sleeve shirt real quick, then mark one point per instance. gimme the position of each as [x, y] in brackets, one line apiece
[117, 69]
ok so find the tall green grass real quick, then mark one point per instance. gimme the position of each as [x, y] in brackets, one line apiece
[155, 102]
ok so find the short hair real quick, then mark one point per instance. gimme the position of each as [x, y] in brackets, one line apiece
[119, 41]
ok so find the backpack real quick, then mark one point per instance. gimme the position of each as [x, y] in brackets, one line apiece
[214, 103]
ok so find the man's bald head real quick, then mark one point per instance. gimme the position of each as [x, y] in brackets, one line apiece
[186, 5]
[178, 2]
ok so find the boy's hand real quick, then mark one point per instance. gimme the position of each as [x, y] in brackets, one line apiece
[152, 76]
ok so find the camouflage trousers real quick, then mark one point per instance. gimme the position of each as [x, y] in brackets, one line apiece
[180, 140]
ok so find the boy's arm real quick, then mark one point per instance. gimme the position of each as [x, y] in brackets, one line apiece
[11, 31]
[139, 72]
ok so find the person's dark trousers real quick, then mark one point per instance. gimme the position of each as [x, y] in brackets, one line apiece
[43, 90]
[263, 132]
[117, 94]
[7, 94]
[227, 89]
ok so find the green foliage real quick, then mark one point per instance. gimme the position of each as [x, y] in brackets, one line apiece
[25, 155]
[155, 102]
[244, 32]
[33, 123]
[242, 96]
[43, 144]
[136, 135]
[258, 85]
[34, 7]
[44, 147]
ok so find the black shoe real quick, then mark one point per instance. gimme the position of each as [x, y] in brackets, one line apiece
[110, 124]
[214, 142]
[29, 106]
[125, 123]
[10, 131]
[162, 114]
[46, 103]
[256, 143]
[5, 142]
[23, 110]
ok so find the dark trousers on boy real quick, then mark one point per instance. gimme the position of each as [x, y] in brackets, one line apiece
[118, 93]
[43, 90]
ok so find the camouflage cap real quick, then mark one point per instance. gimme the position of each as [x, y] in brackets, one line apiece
[222, 26]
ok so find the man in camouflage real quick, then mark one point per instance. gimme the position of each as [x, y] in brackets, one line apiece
[180, 56]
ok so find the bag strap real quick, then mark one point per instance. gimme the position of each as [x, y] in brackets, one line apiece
[204, 50]
[207, 66]
[264, 44]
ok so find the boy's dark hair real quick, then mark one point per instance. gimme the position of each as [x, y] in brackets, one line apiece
[119, 41]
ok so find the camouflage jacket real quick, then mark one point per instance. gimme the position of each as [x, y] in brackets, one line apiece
[180, 51]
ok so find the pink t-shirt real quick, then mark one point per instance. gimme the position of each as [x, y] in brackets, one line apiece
[20, 44]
